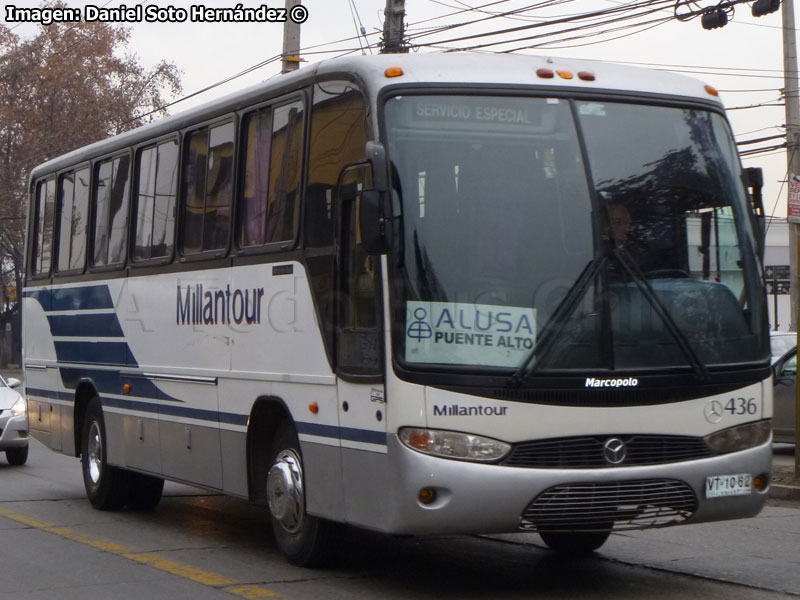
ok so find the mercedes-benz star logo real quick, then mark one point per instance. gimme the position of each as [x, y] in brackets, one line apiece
[713, 411]
[614, 451]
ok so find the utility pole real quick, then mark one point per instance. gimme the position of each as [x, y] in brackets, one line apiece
[793, 164]
[393, 27]
[291, 41]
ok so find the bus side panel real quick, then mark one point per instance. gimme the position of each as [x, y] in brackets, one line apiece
[320, 444]
[41, 375]
[277, 352]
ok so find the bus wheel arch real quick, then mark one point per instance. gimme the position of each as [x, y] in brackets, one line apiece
[266, 416]
[83, 395]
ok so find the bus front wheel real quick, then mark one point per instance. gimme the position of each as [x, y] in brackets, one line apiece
[574, 543]
[304, 540]
[106, 486]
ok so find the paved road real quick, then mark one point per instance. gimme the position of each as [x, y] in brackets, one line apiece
[196, 545]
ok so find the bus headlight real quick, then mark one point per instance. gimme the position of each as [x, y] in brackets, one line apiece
[450, 444]
[740, 437]
[19, 408]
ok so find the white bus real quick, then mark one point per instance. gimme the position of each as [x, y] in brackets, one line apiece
[415, 294]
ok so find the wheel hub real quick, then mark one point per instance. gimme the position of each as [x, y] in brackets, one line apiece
[95, 453]
[285, 490]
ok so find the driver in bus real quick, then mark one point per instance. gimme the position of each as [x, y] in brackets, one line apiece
[623, 235]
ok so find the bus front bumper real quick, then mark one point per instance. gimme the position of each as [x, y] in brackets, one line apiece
[483, 498]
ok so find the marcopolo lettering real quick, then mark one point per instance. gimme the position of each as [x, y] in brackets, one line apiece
[456, 410]
[615, 383]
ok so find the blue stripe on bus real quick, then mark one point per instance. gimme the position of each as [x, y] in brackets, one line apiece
[213, 416]
[113, 382]
[94, 325]
[95, 353]
[49, 394]
[93, 297]
[345, 433]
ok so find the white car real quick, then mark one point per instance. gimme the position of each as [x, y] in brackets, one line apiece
[13, 422]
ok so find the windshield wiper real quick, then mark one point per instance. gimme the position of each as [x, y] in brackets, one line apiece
[559, 320]
[560, 317]
[624, 259]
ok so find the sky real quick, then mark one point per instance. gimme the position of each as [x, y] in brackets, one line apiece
[744, 59]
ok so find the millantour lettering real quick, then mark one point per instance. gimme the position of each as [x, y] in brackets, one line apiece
[456, 410]
[219, 307]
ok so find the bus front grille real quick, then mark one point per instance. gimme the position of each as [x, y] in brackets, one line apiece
[616, 505]
[587, 452]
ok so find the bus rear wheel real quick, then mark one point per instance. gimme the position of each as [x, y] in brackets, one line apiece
[144, 491]
[303, 540]
[574, 543]
[106, 486]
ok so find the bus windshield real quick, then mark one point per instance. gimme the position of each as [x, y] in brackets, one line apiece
[573, 235]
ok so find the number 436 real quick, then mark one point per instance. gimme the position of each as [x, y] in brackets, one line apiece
[741, 406]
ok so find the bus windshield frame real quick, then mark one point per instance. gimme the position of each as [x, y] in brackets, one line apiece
[643, 258]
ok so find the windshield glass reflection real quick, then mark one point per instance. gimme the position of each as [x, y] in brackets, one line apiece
[499, 225]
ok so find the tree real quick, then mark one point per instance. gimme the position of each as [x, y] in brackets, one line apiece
[70, 85]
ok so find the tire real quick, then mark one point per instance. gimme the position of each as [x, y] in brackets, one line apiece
[17, 456]
[577, 543]
[144, 491]
[106, 486]
[303, 540]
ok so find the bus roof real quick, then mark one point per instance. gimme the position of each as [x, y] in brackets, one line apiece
[515, 69]
[445, 68]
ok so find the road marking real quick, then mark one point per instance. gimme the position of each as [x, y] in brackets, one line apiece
[207, 578]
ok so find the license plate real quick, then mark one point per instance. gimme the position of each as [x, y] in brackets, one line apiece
[739, 484]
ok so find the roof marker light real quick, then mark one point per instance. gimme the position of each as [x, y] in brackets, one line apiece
[393, 72]
[565, 74]
[586, 76]
[712, 90]
[545, 73]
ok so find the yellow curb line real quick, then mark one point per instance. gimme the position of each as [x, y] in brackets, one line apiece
[207, 578]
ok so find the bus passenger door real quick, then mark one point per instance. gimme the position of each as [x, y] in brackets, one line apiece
[359, 357]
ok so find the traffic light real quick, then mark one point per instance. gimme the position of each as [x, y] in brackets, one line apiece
[715, 18]
[765, 7]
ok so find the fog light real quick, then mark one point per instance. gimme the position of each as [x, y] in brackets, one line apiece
[760, 482]
[427, 496]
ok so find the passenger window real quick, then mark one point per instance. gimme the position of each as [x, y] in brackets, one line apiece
[155, 201]
[208, 173]
[43, 224]
[111, 196]
[73, 213]
[253, 209]
[284, 181]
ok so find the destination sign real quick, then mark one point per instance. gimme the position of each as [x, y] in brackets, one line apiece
[469, 334]
[466, 112]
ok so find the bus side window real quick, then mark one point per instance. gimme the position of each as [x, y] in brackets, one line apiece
[284, 177]
[111, 195]
[338, 138]
[358, 348]
[253, 203]
[155, 201]
[43, 227]
[208, 173]
[73, 213]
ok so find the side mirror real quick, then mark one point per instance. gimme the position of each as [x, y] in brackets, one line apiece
[13, 382]
[373, 215]
[753, 180]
